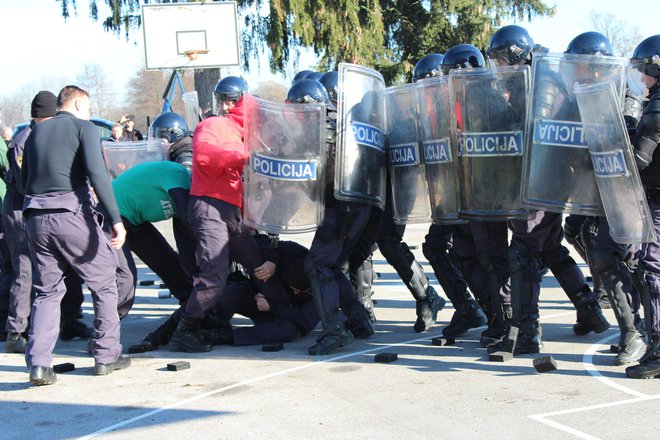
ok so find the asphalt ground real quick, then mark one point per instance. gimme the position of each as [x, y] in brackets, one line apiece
[429, 392]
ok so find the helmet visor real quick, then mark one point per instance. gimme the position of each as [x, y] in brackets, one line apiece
[634, 79]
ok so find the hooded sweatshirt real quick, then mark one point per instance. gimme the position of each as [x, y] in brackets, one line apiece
[219, 154]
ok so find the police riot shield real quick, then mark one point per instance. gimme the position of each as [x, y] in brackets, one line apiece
[360, 167]
[439, 161]
[489, 118]
[558, 175]
[619, 184]
[120, 156]
[283, 182]
[410, 200]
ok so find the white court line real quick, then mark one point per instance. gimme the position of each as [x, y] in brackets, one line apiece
[587, 361]
[543, 418]
[262, 378]
[247, 382]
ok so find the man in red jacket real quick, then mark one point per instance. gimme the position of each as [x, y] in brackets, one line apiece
[214, 215]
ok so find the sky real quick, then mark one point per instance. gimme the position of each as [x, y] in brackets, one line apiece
[38, 44]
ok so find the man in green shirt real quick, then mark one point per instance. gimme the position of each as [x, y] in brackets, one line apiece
[152, 192]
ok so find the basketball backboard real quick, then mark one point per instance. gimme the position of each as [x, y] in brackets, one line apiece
[190, 35]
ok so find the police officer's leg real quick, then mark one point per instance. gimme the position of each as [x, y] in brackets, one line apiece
[6, 279]
[398, 255]
[525, 289]
[470, 313]
[70, 325]
[362, 278]
[588, 233]
[342, 224]
[649, 270]
[568, 274]
[212, 222]
[359, 266]
[49, 286]
[358, 320]
[491, 247]
[20, 294]
[153, 249]
[572, 232]
[266, 330]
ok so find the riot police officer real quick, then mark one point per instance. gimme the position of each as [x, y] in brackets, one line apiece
[537, 242]
[439, 242]
[227, 93]
[646, 59]
[173, 129]
[342, 225]
[479, 247]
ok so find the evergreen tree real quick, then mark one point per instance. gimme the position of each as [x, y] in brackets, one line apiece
[389, 36]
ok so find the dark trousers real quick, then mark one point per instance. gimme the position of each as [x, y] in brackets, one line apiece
[212, 222]
[238, 297]
[480, 252]
[332, 244]
[650, 261]
[60, 240]
[153, 249]
[21, 294]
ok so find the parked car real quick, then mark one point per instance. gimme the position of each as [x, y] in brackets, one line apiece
[104, 126]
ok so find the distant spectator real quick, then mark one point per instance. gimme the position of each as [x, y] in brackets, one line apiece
[117, 134]
[6, 134]
[130, 133]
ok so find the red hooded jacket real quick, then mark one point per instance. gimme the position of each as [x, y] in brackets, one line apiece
[219, 154]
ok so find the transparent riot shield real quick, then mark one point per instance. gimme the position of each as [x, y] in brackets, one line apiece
[283, 187]
[410, 193]
[439, 162]
[191, 109]
[360, 168]
[557, 174]
[120, 156]
[489, 120]
[619, 184]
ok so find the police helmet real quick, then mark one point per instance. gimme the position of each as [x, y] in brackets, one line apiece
[427, 67]
[300, 76]
[511, 44]
[314, 75]
[330, 81]
[646, 57]
[590, 43]
[170, 126]
[230, 88]
[462, 56]
[307, 91]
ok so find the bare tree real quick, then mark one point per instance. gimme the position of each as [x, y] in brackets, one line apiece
[94, 80]
[144, 95]
[623, 36]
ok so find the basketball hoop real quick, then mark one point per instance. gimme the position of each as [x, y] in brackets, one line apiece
[192, 54]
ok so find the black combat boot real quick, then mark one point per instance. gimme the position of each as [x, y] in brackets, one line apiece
[631, 348]
[468, 316]
[187, 337]
[427, 310]
[334, 336]
[359, 323]
[162, 335]
[590, 317]
[649, 365]
[497, 330]
[529, 337]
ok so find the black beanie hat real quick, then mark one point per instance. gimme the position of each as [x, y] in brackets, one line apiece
[44, 105]
[295, 276]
